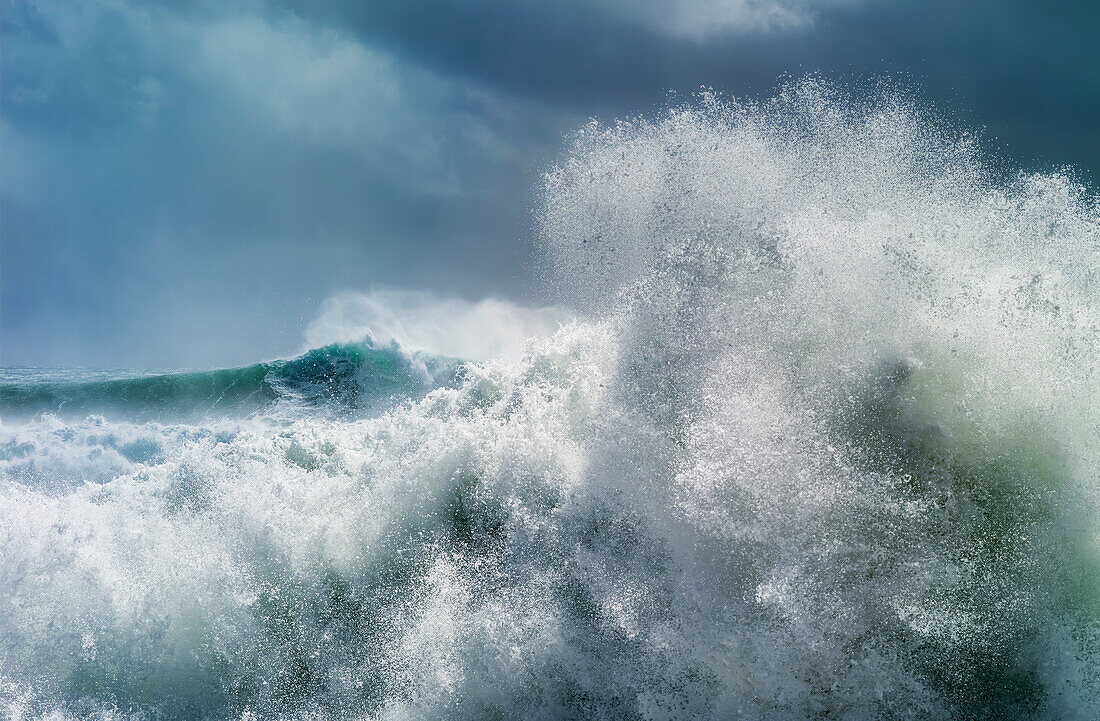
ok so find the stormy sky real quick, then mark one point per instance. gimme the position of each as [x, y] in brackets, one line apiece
[184, 184]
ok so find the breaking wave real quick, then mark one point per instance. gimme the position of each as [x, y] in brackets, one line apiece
[822, 443]
[347, 376]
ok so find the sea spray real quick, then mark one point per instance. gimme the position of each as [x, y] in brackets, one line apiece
[823, 444]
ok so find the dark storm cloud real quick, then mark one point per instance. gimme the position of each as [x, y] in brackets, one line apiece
[1029, 71]
[183, 184]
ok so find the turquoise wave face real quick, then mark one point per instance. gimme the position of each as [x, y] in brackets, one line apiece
[353, 377]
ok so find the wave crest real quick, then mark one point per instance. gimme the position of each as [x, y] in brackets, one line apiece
[342, 377]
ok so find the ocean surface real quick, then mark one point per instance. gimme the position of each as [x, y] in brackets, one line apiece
[822, 442]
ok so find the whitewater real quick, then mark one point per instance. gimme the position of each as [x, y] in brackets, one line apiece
[820, 440]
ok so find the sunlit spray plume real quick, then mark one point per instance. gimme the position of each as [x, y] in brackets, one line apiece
[419, 321]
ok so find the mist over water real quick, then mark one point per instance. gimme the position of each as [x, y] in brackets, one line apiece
[821, 443]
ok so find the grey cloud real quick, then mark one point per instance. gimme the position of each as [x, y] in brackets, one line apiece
[183, 188]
